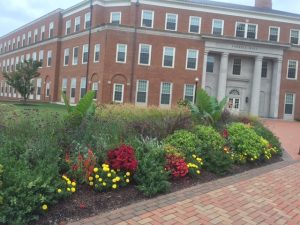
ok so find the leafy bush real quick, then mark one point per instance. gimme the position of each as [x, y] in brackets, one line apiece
[1, 184]
[183, 140]
[177, 166]
[210, 148]
[122, 158]
[245, 143]
[194, 165]
[151, 177]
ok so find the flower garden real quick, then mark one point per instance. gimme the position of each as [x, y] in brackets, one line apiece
[61, 167]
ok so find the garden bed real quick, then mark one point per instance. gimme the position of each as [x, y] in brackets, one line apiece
[86, 202]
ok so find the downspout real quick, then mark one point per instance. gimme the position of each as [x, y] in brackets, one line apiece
[89, 47]
[137, 4]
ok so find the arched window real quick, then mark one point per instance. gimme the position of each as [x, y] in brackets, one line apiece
[234, 92]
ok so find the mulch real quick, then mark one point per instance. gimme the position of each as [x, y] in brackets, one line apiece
[86, 202]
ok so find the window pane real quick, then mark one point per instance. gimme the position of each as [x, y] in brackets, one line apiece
[142, 91]
[189, 92]
[168, 56]
[251, 31]
[210, 64]
[115, 18]
[194, 26]
[236, 66]
[295, 37]
[292, 69]
[171, 22]
[273, 34]
[145, 54]
[217, 27]
[192, 59]
[118, 93]
[264, 68]
[240, 30]
[147, 19]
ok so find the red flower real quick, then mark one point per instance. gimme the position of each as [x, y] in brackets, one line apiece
[122, 158]
[225, 133]
[177, 166]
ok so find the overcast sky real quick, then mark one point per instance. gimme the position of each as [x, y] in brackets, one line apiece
[15, 13]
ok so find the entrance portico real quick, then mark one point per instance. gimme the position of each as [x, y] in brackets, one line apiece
[253, 70]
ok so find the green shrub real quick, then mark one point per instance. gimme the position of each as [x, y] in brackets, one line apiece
[183, 140]
[151, 177]
[264, 132]
[210, 147]
[245, 143]
[1, 184]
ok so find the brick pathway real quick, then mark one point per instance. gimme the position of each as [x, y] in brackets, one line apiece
[288, 133]
[267, 195]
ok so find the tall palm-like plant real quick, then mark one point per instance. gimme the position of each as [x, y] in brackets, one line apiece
[207, 109]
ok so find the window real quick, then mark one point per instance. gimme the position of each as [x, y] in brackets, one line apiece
[13, 44]
[292, 69]
[147, 18]
[192, 59]
[82, 87]
[165, 93]
[245, 30]
[210, 64]
[77, 24]
[236, 66]
[142, 91]
[195, 24]
[42, 33]
[7, 65]
[264, 68]
[41, 57]
[28, 38]
[35, 38]
[115, 18]
[295, 37]
[1, 48]
[64, 86]
[289, 104]
[8, 45]
[23, 40]
[168, 57]
[274, 34]
[95, 89]
[189, 92]
[68, 27]
[66, 56]
[12, 64]
[73, 90]
[118, 93]
[49, 58]
[51, 30]
[121, 53]
[97, 53]
[39, 87]
[75, 56]
[85, 53]
[27, 56]
[217, 27]
[17, 62]
[145, 54]
[171, 22]
[87, 20]
[47, 92]
[18, 42]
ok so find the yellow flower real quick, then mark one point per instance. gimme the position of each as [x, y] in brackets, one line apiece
[194, 156]
[113, 171]
[114, 180]
[118, 178]
[91, 178]
[73, 184]
[96, 170]
[105, 165]
[64, 177]
[128, 174]
[73, 189]
[114, 186]
[198, 172]
[104, 184]
[44, 207]
[100, 179]
[69, 182]
[68, 189]
[97, 176]
[91, 183]
[109, 175]
[105, 169]
[127, 180]
[59, 190]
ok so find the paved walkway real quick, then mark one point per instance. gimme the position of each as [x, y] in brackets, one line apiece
[289, 135]
[267, 195]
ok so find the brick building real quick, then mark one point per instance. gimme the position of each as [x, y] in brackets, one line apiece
[156, 52]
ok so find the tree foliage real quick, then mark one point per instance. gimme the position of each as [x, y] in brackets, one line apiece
[21, 78]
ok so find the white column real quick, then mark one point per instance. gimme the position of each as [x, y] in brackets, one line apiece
[275, 90]
[255, 94]
[223, 76]
[204, 70]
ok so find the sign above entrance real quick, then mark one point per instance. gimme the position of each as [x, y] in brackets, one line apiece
[245, 47]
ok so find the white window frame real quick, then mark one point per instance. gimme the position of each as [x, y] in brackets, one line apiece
[118, 45]
[77, 21]
[212, 26]
[28, 38]
[200, 21]
[197, 59]
[171, 95]
[294, 105]
[278, 35]
[51, 27]
[122, 100]
[136, 93]
[246, 29]
[83, 51]
[94, 84]
[38, 85]
[64, 85]
[163, 58]
[296, 73]
[66, 50]
[184, 90]
[291, 36]
[86, 16]
[152, 25]
[36, 34]
[23, 39]
[43, 30]
[82, 86]
[41, 56]
[150, 53]
[68, 24]
[47, 87]
[73, 62]
[72, 99]
[96, 45]
[49, 55]
[166, 20]
[111, 16]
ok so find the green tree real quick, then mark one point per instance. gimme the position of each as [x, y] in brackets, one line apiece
[21, 78]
